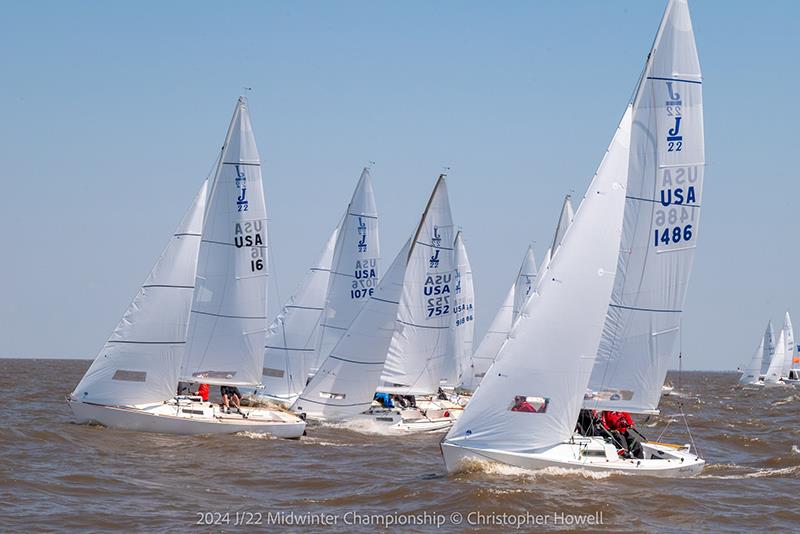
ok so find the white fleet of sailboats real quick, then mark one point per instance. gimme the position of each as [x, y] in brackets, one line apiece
[779, 361]
[594, 326]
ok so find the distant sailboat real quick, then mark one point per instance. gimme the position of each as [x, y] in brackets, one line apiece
[525, 410]
[790, 360]
[213, 275]
[751, 374]
[775, 370]
[769, 348]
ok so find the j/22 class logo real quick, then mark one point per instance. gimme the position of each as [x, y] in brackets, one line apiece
[241, 186]
[362, 231]
[674, 107]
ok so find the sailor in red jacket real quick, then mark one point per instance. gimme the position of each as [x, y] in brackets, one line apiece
[618, 424]
[202, 392]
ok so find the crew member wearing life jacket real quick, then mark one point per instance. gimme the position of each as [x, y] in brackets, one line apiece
[202, 392]
[618, 424]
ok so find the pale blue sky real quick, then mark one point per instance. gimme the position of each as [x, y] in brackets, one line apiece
[112, 113]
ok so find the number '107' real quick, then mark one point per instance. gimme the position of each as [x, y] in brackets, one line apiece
[672, 235]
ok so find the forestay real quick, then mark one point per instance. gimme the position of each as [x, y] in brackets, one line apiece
[660, 231]
[421, 342]
[227, 328]
[140, 361]
[292, 339]
[355, 269]
[545, 365]
[345, 383]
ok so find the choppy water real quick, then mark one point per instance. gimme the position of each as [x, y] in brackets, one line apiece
[55, 475]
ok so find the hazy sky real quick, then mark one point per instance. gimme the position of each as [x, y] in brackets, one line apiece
[113, 112]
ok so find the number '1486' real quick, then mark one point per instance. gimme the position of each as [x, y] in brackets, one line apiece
[672, 235]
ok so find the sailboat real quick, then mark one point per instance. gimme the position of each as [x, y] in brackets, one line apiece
[417, 357]
[769, 348]
[335, 289]
[775, 371]
[791, 371]
[525, 410]
[751, 374]
[211, 276]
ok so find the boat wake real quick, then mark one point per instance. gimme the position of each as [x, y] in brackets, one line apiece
[474, 465]
[366, 426]
[256, 435]
[767, 472]
[788, 400]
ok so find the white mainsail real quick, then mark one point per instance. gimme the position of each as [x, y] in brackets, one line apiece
[660, 230]
[421, 342]
[549, 357]
[227, 328]
[775, 369]
[355, 268]
[292, 339]
[492, 341]
[543, 267]
[791, 348]
[140, 361]
[525, 284]
[564, 221]
[463, 315]
[345, 383]
[752, 373]
[769, 347]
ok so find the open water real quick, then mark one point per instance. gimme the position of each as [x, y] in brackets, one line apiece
[56, 475]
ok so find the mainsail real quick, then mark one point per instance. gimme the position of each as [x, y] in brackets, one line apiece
[752, 373]
[564, 220]
[791, 348]
[346, 381]
[227, 328]
[660, 232]
[525, 284]
[292, 339]
[549, 358]
[421, 342]
[140, 361]
[463, 316]
[769, 347]
[355, 268]
[775, 370]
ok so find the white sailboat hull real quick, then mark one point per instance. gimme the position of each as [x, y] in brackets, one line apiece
[170, 418]
[591, 454]
[408, 420]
